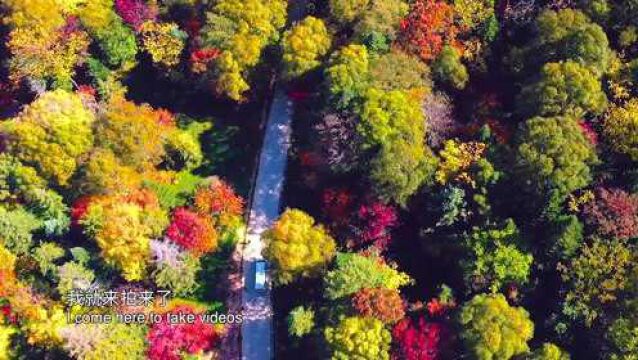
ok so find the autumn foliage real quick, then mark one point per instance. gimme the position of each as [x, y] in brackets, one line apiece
[169, 341]
[428, 27]
[383, 304]
[374, 222]
[418, 339]
[220, 201]
[192, 231]
[613, 213]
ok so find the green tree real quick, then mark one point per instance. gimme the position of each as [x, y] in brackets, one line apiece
[474, 13]
[297, 247]
[494, 330]
[570, 35]
[596, 277]
[354, 272]
[449, 69]
[398, 70]
[304, 45]
[566, 236]
[564, 88]
[389, 116]
[348, 74]
[621, 129]
[345, 11]
[548, 351]
[392, 124]
[400, 169]
[16, 228]
[46, 254]
[565, 34]
[623, 335]
[359, 338]
[599, 10]
[382, 19]
[21, 185]
[116, 40]
[495, 258]
[554, 156]
[301, 321]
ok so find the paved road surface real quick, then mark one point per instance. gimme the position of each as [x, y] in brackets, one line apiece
[257, 328]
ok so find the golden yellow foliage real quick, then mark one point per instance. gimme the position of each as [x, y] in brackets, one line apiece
[46, 57]
[96, 15]
[297, 247]
[133, 132]
[304, 45]
[123, 226]
[51, 134]
[162, 42]
[456, 157]
[43, 17]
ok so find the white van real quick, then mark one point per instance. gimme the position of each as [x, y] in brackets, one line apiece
[260, 275]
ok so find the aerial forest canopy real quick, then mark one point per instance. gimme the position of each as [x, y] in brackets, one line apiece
[462, 180]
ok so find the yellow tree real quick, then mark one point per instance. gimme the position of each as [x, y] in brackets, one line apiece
[123, 226]
[621, 129]
[241, 29]
[51, 134]
[494, 330]
[346, 11]
[304, 45]
[359, 338]
[297, 247]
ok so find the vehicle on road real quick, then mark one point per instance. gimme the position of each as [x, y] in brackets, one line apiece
[260, 275]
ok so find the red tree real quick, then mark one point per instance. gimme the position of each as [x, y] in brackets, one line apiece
[336, 204]
[417, 340]
[383, 304]
[589, 132]
[373, 225]
[170, 341]
[429, 26]
[192, 231]
[219, 200]
[613, 213]
[135, 12]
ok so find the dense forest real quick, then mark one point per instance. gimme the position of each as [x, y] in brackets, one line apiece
[462, 182]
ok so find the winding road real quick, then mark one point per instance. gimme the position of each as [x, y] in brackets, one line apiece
[257, 327]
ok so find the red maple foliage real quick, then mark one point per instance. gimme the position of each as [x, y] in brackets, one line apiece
[336, 204]
[613, 213]
[374, 223]
[165, 118]
[9, 316]
[170, 341]
[87, 90]
[429, 26]
[589, 132]
[200, 58]
[79, 208]
[417, 340]
[135, 12]
[192, 231]
[193, 26]
[383, 304]
[220, 201]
